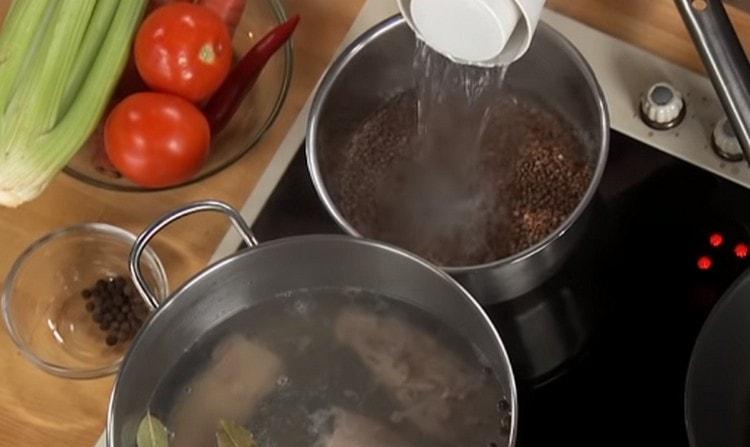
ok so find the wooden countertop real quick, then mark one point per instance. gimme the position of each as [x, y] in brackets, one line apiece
[654, 25]
[37, 409]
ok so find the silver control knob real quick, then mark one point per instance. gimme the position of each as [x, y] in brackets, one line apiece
[662, 106]
[725, 142]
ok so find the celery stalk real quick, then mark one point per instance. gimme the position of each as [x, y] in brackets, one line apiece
[38, 132]
[100, 23]
[16, 40]
[37, 97]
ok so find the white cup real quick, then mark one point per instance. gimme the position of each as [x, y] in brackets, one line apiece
[476, 32]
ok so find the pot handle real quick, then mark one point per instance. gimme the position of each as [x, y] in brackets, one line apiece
[725, 61]
[144, 238]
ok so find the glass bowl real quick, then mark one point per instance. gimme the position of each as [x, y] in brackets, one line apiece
[43, 305]
[253, 118]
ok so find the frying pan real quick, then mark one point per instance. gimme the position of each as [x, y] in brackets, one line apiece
[717, 391]
[717, 396]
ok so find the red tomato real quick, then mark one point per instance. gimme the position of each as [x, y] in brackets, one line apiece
[156, 139]
[184, 49]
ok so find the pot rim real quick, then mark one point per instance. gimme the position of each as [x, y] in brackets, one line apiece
[468, 298]
[707, 336]
[333, 72]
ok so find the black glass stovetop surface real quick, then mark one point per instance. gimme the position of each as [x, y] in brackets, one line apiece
[601, 350]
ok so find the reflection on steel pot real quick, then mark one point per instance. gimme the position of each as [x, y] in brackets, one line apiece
[717, 388]
[378, 66]
[277, 272]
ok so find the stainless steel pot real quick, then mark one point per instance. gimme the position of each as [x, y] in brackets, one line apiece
[379, 64]
[265, 271]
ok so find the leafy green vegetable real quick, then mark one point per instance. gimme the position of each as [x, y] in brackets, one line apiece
[60, 61]
[152, 433]
[233, 435]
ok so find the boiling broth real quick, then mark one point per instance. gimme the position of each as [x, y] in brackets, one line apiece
[328, 368]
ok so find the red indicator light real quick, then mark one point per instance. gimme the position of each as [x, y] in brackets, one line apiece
[741, 250]
[705, 263]
[716, 240]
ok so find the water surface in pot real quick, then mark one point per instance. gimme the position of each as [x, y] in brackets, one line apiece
[329, 368]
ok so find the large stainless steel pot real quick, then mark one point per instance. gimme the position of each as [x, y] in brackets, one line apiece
[379, 64]
[263, 272]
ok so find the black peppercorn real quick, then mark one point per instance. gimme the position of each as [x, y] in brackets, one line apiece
[111, 340]
[113, 308]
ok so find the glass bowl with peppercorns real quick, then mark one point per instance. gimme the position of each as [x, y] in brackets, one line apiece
[68, 302]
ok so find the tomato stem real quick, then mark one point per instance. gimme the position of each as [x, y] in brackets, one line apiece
[207, 54]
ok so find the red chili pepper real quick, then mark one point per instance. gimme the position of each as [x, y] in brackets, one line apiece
[153, 4]
[230, 11]
[224, 102]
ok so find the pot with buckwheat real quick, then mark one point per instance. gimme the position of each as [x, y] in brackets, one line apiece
[497, 190]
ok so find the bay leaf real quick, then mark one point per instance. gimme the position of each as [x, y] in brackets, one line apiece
[233, 435]
[152, 433]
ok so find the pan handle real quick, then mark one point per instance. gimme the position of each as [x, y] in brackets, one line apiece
[144, 238]
[725, 61]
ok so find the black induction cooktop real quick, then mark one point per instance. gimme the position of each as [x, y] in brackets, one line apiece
[600, 351]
